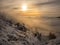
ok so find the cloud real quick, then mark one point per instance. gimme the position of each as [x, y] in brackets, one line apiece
[49, 2]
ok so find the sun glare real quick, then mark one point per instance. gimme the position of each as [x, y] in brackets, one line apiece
[24, 7]
[29, 10]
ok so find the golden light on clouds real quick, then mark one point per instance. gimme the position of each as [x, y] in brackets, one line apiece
[29, 10]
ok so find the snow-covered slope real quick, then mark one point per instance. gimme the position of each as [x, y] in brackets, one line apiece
[10, 34]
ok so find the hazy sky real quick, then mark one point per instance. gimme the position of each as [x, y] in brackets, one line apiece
[47, 7]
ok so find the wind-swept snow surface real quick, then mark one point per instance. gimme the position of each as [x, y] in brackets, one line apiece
[18, 34]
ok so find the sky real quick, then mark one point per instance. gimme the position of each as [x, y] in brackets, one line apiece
[46, 7]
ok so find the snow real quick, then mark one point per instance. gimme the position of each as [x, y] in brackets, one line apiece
[9, 35]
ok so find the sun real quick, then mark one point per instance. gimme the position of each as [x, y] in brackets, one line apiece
[24, 7]
[27, 9]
